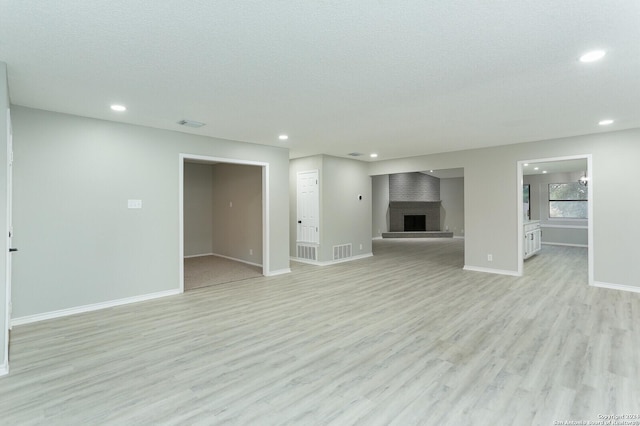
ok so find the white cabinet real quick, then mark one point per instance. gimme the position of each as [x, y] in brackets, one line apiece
[532, 238]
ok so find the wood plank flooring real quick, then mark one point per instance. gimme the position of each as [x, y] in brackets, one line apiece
[404, 337]
[203, 271]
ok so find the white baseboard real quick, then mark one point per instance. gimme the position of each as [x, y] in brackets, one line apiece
[236, 259]
[564, 244]
[199, 255]
[621, 287]
[492, 271]
[278, 272]
[376, 238]
[4, 369]
[331, 262]
[88, 308]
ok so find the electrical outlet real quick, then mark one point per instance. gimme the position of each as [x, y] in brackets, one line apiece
[360, 246]
[230, 203]
[490, 257]
[250, 252]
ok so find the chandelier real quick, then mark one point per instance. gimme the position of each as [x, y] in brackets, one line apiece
[584, 180]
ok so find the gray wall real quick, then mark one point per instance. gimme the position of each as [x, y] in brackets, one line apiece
[198, 209]
[555, 231]
[346, 219]
[413, 187]
[4, 107]
[380, 205]
[79, 243]
[491, 199]
[237, 212]
[452, 207]
[343, 218]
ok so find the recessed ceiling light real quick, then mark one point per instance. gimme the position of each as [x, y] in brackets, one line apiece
[605, 122]
[526, 164]
[373, 155]
[430, 171]
[283, 137]
[544, 171]
[536, 168]
[593, 56]
[119, 108]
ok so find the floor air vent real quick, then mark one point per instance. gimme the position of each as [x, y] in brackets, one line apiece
[341, 252]
[307, 252]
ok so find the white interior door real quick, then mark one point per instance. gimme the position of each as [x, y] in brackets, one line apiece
[308, 207]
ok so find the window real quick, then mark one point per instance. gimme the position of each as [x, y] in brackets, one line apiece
[568, 201]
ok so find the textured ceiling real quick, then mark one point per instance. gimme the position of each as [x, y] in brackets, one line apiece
[398, 78]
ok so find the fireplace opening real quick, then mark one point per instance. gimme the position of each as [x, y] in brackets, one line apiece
[415, 222]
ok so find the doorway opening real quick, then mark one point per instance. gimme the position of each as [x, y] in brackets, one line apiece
[555, 196]
[223, 220]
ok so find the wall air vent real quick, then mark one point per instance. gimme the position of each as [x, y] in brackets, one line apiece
[308, 252]
[342, 251]
[190, 123]
[355, 154]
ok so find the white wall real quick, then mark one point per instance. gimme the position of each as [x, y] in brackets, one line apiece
[237, 212]
[79, 244]
[343, 218]
[555, 231]
[4, 320]
[198, 209]
[491, 199]
[452, 206]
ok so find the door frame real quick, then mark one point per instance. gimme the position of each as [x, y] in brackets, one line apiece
[265, 206]
[4, 369]
[520, 208]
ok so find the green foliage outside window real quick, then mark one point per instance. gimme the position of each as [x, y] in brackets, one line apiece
[568, 200]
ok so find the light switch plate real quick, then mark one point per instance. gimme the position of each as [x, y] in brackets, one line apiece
[134, 204]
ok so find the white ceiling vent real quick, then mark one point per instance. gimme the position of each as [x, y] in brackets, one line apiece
[190, 123]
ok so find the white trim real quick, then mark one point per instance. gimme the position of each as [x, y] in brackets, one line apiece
[622, 287]
[459, 237]
[236, 259]
[520, 212]
[199, 255]
[331, 262]
[546, 225]
[565, 244]
[492, 271]
[225, 257]
[279, 272]
[376, 238]
[181, 223]
[265, 208]
[93, 307]
[6, 322]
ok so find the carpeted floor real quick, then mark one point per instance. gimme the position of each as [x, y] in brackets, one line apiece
[204, 271]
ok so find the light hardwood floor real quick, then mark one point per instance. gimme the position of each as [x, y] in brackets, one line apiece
[203, 271]
[405, 337]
